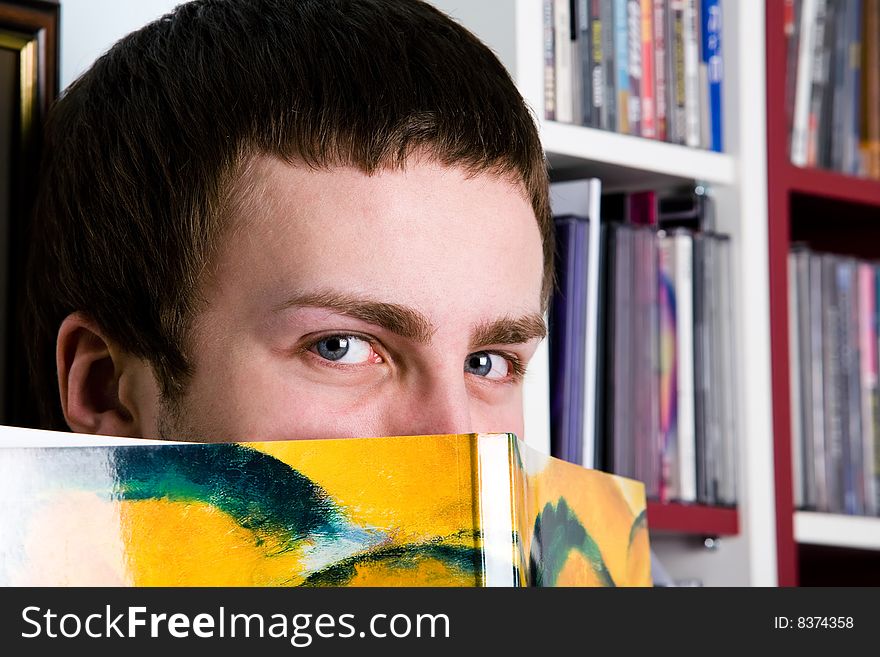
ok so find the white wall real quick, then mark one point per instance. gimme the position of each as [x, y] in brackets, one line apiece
[90, 27]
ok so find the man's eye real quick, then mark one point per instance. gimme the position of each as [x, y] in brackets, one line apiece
[489, 365]
[346, 349]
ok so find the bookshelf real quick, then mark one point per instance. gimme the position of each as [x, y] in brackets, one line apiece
[738, 177]
[831, 212]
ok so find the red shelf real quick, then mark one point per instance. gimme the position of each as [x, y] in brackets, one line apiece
[830, 184]
[693, 519]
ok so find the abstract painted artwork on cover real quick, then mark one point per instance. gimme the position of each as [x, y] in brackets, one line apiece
[456, 510]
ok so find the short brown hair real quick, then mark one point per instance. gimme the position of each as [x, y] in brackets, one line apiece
[141, 152]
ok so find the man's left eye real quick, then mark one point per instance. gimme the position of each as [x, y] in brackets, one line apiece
[486, 364]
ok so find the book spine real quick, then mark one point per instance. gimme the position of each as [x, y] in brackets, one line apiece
[869, 390]
[660, 68]
[562, 50]
[851, 157]
[591, 322]
[791, 29]
[585, 62]
[597, 67]
[797, 428]
[801, 114]
[828, 149]
[621, 56]
[692, 74]
[819, 372]
[870, 141]
[818, 83]
[684, 294]
[609, 97]
[577, 64]
[677, 109]
[711, 20]
[549, 63]
[649, 111]
[634, 48]
[834, 129]
[805, 384]
[668, 389]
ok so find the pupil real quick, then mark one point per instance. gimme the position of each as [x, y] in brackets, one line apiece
[333, 348]
[480, 364]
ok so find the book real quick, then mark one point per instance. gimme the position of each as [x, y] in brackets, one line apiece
[713, 62]
[622, 65]
[562, 49]
[609, 67]
[583, 198]
[459, 510]
[809, 10]
[568, 318]
[648, 104]
[870, 97]
[661, 56]
[549, 61]
[634, 48]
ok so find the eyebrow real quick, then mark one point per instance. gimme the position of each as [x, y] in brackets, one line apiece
[413, 325]
[403, 321]
[508, 330]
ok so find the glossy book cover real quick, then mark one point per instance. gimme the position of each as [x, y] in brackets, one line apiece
[456, 510]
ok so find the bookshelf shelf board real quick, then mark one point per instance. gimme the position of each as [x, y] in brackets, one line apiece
[625, 161]
[692, 519]
[831, 184]
[836, 530]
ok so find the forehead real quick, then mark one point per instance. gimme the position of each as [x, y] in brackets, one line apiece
[434, 237]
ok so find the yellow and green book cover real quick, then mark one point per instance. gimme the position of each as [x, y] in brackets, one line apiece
[449, 510]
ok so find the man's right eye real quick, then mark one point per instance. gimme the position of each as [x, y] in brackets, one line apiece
[346, 350]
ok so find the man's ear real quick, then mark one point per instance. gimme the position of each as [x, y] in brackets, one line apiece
[104, 389]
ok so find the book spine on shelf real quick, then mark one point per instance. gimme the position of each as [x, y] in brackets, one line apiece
[562, 54]
[801, 113]
[649, 111]
[872, 451]
[634, 48]
[684, 294]
[851, 155]
[692, 74]
[549, 62]
[609, 67]
[585, 62]
[597, 66]
[577, 64]
[819, 373]
[668, 388]
[676, 106]
[661, 56]
[725, 341]
[794, 349]
[621, 57]
[817, 83]
[870, 141]
[827, 135]
[805, 382]
[791, 29]
[712, 57]
[869, 381]
[853, 491]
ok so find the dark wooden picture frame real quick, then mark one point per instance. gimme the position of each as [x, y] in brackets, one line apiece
[28, 87]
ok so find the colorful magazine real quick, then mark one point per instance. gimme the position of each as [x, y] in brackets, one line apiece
[456, 510]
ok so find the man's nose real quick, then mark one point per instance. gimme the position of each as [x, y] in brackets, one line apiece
[438, 405]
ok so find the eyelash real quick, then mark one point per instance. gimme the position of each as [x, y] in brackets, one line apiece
[517, 368]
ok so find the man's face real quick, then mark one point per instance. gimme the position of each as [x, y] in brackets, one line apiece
[341, 304]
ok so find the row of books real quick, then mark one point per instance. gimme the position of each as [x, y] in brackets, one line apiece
[833, 334]
[642, 365]
[833, 84]
[650, 68]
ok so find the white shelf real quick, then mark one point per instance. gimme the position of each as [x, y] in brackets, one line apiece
[624, 160]
[837, 530]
